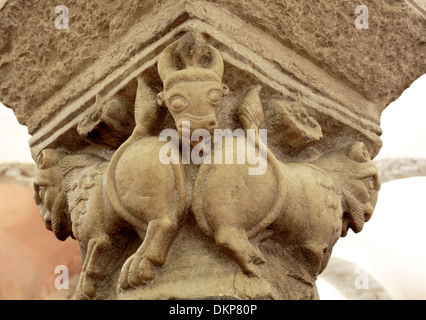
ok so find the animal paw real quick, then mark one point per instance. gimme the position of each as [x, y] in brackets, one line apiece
[136, 271]
[250, 266]
[86, 288]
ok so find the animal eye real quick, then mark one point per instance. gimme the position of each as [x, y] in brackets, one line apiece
[177, 104]
[41, 194]
[370, 184]
[214, 96]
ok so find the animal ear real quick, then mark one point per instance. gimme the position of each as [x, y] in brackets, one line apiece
[359, 152]
[48, 158]
[225, 90]
[160, 99]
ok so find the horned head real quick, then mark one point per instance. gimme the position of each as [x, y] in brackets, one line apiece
[191, 71]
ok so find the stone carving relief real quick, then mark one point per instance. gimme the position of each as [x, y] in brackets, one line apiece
[127, 209]
[109, 125]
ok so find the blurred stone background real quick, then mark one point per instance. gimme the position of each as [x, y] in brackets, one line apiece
[386, 260]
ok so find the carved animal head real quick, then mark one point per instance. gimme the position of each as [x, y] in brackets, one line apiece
[192, 74]
[50, 195]
[353, 170]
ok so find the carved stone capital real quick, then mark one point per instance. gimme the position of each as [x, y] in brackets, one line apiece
[206, 154]
[222, 207]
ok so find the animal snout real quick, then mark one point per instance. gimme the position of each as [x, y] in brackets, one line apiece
[209, 124]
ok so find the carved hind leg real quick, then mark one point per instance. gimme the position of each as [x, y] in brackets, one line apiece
[91, 270]
[139, 268]
[235, 239]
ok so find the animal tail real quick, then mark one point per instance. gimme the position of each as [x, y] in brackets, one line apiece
[251, 116]
[148, 114]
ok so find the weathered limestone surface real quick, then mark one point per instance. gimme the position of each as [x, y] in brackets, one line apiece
[97, 96]
[321, 32]
[315, 43]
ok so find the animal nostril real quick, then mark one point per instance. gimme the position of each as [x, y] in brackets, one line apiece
[212, 124]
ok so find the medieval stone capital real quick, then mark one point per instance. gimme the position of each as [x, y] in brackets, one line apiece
[206, 149]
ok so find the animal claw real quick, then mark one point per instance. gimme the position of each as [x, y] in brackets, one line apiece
[136, 271]
[86, 289]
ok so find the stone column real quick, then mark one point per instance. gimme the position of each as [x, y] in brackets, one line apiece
[206, 149]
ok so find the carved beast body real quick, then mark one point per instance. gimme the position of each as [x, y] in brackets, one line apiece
[302, 206]
[305, 207]
[81, 213]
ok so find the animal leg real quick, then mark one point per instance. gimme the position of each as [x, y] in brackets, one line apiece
[235, 239]
[138, 269]
[86, 289]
